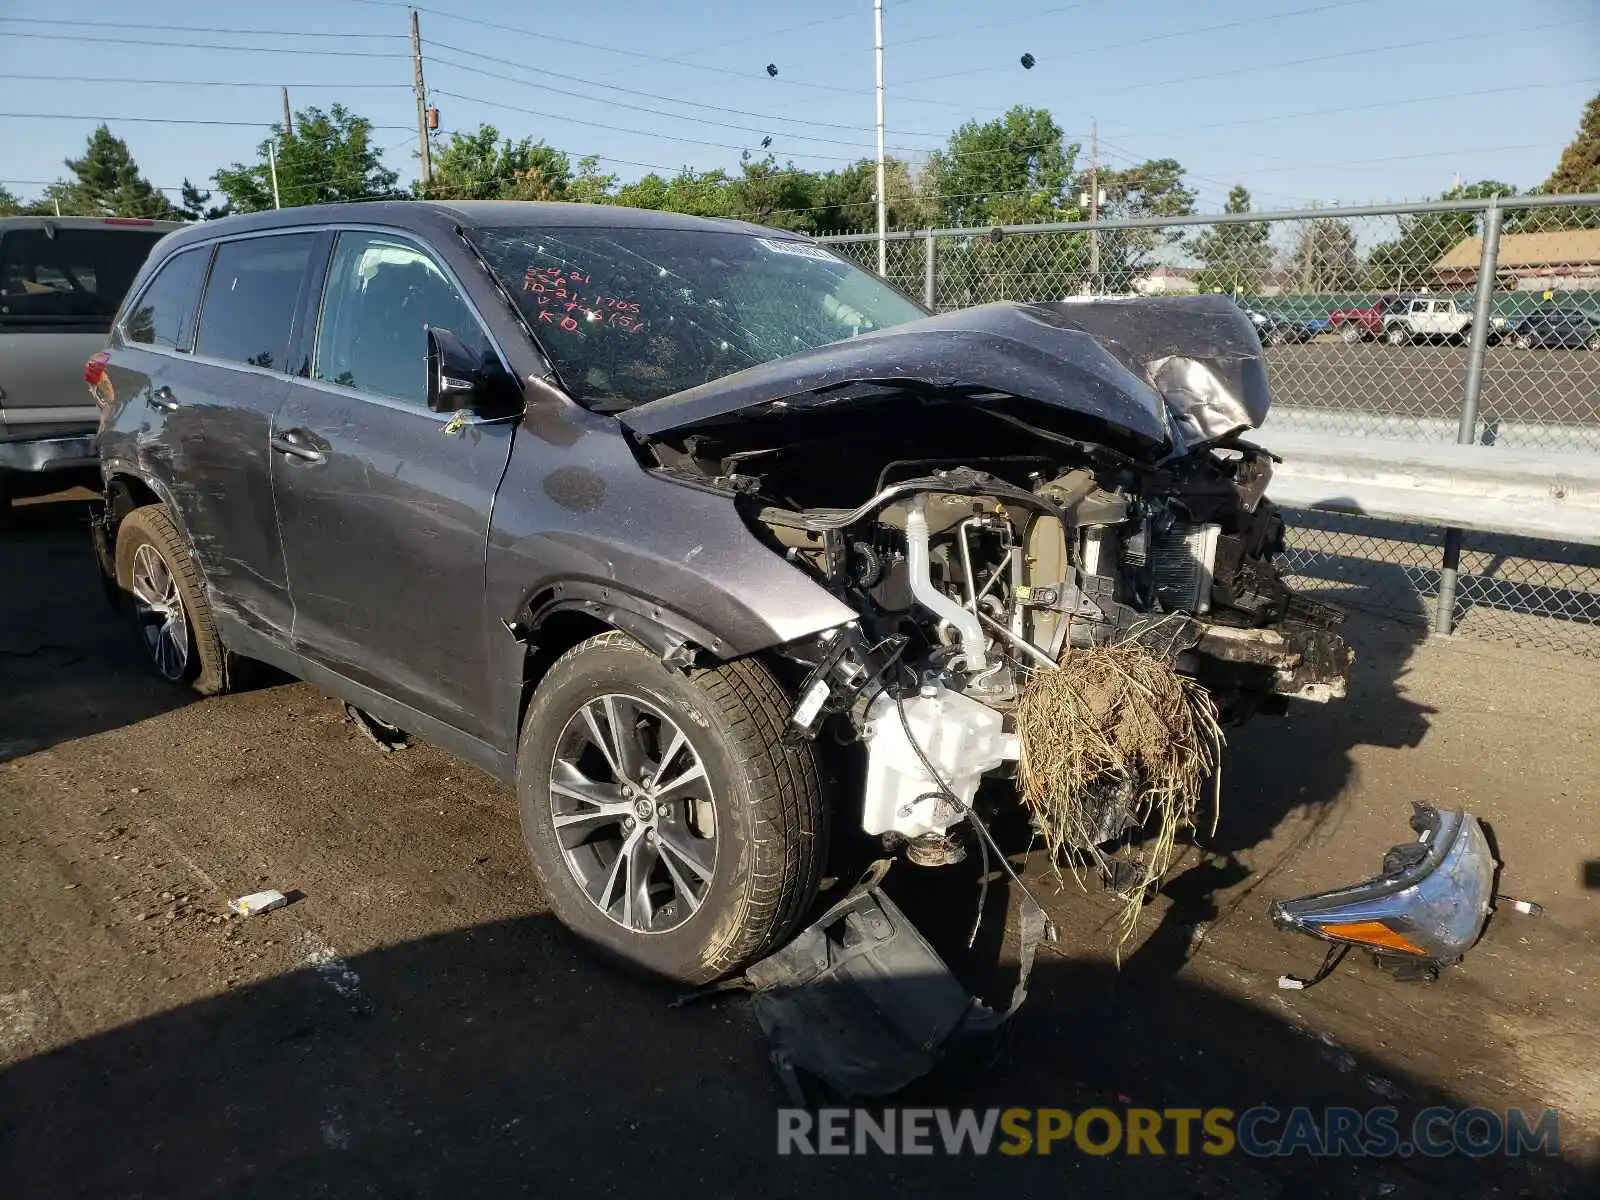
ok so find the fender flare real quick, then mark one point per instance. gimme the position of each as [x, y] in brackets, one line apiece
[673, 637]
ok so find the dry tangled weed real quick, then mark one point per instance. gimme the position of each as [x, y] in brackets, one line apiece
[1116, 728]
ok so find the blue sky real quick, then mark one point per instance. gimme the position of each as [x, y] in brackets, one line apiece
[1301, 100]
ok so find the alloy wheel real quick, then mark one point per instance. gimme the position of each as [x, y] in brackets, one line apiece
[158, 607]
[633, 813]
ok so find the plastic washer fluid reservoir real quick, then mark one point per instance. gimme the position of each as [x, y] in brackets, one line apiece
[962, 737]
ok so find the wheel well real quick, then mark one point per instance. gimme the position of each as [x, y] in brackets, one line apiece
[558, 633]
[124, 493]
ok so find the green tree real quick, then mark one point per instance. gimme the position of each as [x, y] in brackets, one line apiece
[1014, 169]
[590, 185]
[846, 200]
[1325, 259]
[328, 159]
[105, 182]
[1577, 171]
[767, 194]
[698, 193]
[1579, 168]
[1233, 257]
[1150, 189]
[1407, 261]
[195, 204]
[485, 166]
[10, 202]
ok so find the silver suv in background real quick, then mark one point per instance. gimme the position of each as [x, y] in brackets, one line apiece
[61, 280]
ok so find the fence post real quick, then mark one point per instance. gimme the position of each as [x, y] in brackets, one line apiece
[929, 260]
[1467, 429]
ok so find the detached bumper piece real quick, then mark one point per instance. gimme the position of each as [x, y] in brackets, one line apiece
[860, 1005]
[1425, 909]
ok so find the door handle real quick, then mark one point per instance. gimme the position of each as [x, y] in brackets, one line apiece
[294, 443]
[163, 399]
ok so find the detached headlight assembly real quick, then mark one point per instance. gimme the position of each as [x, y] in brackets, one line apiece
[1427, 906]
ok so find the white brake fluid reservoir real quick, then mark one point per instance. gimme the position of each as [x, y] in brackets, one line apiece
[962, 737]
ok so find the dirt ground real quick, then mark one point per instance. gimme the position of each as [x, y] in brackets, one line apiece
[416, 1024]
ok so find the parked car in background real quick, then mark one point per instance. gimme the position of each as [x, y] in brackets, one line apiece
[1557, 327]
[1365, 324]
[1275, 329]
[1435, 319]
[61, 280]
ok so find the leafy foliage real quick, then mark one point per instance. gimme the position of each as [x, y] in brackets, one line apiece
[329, 158]
[1014, 169]
[486, 166]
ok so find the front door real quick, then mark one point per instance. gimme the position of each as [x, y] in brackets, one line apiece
[384, 505]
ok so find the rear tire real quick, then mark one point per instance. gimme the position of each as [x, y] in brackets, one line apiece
[171, 615]
[1397, 335]
[1350, 334]
[689, 881]
[1593, 343]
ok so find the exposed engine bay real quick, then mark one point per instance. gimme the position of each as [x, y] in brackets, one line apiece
[981, 534]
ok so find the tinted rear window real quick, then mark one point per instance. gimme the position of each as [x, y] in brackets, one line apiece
[163, 312]
[250, 301]
[72, 277]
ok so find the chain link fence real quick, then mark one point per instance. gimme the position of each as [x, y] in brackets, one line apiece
[1454, 321]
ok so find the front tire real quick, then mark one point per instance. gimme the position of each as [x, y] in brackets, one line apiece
[1398, 335]
[171, 614]
[670, 824]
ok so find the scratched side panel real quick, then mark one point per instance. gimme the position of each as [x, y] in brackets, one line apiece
[384, 540]
[577, 506]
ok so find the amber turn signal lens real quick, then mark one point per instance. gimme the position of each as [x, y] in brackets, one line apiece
[1373, 933]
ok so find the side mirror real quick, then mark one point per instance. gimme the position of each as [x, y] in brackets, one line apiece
[458, 379]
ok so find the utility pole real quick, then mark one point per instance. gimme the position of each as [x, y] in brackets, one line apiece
[421, 88]
[288, 121]
[883, 199]
[1094, 205]
[272, 165]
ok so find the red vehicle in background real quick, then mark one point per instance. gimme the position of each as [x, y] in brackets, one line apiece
[1366, 324]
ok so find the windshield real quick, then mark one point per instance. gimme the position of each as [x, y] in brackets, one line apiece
[633, 314]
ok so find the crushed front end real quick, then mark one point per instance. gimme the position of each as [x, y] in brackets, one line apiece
[982, 532]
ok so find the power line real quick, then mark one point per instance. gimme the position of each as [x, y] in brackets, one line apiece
[1385, 104]
[188, 29]
[1427, 43]
[865, 148]
[944, 33]
[670, 137]
[154, 120]
[750, 37]
[599, 83]
[76, 79]
[634, 54]
[114, 41]
[1190, 31]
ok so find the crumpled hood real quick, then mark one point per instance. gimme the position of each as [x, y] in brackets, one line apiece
[1122, 364]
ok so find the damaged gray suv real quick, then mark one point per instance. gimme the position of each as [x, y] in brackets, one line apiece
[694, 533]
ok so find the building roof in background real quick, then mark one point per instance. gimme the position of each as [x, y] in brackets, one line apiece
[1566, 247]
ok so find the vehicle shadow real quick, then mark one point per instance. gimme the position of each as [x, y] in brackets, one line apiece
[69, 665]
[505, 1059]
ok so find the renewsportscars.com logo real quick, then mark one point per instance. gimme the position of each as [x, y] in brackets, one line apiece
[1260, 1132]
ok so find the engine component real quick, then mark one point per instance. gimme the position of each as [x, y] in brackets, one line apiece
[963, 738]
[964, 620]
